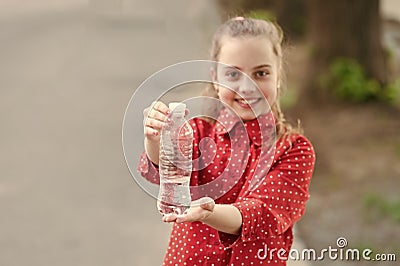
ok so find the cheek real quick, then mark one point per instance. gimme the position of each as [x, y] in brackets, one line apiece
[269, 90]
[225, 94]
[273, 93]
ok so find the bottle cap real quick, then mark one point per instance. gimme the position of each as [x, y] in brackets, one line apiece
[177, 107]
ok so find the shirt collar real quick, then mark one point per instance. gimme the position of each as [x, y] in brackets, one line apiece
[227, 121]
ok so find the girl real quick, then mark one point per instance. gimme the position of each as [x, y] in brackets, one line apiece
[244, 226]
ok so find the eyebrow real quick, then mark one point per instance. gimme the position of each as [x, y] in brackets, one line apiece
[257, 67]
[263, 66]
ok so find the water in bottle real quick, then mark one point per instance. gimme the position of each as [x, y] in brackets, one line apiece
[175, 163]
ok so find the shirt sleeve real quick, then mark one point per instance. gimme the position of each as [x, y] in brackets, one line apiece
[148, 169]
[280, 200]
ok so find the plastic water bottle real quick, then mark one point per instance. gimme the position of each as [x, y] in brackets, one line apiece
[175, 164]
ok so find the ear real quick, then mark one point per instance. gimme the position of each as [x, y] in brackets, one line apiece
[278, 82]
[213, 75]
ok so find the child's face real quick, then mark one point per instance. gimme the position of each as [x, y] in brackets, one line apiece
[254, 57]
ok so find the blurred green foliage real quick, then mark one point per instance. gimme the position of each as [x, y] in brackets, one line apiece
[289, 98]
[381, 207]
[261, 14]
[290, 15]
[392, 92]
[348, 80]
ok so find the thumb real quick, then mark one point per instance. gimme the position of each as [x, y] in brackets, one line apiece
[205, 203]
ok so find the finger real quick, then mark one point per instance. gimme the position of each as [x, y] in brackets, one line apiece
[146, 112]
[161, 107]
[209, 206]
[150, 132]
[153, 123]
[206, 203]
[155, 114]
[169, 218]
[182, 220]
[188, 217]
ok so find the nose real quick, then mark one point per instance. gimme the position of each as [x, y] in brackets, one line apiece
[247, 86]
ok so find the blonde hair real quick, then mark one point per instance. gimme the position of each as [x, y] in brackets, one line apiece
[240, 27]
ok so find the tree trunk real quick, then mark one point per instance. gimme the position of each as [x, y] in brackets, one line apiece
[345, 28]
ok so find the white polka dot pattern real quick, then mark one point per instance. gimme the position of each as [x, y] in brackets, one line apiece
[269, 210]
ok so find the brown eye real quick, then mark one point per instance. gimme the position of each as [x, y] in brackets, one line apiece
[261, 73]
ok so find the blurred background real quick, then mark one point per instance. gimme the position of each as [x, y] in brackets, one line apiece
[69, 68]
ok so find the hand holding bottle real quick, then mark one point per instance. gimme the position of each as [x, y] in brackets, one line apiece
[154, 119]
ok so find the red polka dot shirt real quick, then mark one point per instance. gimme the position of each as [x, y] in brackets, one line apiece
[267, 183]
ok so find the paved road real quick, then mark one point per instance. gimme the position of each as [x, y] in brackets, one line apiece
[67, 72]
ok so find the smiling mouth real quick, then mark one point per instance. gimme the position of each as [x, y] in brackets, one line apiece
[247, 102]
